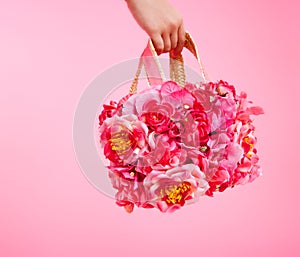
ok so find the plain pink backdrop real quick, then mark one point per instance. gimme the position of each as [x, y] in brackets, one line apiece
[50, 51]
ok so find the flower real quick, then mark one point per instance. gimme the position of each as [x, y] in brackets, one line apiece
[123, 138]
[247, 169]
[159, 107]
[130, 193]
[111, 109]
[108, 111]
[176, 187]
[157, 115]
[245, 111]
[219, 181]
[163, 153]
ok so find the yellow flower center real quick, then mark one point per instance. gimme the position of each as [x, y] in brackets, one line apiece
[120, 142]
[174, 194]
[154, 116]
[247, 140]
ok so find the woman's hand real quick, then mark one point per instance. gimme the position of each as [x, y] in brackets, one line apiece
[162, 23]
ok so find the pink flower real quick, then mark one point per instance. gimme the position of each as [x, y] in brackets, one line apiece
[203, 94]
[224, 89]
[130, 193]
[157, 116]
[176, 187]
[159, 107]
[219, 182]
[179, 96]
[248, 168]
[111, 109]
[108, 111]
[245, 111]
[123, 138]
[149, 108]
[163, 153]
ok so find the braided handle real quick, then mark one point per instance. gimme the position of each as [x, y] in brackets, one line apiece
[177, 72]
[154, 72]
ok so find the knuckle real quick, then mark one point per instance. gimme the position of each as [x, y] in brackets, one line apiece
[174, 44]
[173, 25]
[159, 46]
[167, 47]
[154, 31]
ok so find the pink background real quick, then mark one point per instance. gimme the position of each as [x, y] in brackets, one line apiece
[50, 51]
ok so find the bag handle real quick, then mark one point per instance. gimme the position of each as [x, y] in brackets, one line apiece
[153, 68]
[154, 71]
[177, 72]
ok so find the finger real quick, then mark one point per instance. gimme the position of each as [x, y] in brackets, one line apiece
[158, 43]
[174, 39]
[181, 40]
[167, 42]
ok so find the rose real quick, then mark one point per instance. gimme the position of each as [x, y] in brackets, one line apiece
[203, 125]
[160, 106]
[191, 125]
[129, 193]
[123, 138]
[177, 186]
[157, 115]
[164, 153]
[149, 108]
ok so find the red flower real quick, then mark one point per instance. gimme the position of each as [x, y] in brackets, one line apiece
[108, 111]
[177, 186]
[111, 109]
[124, 139]
[130, 193]
[157, 115]
[219, 182]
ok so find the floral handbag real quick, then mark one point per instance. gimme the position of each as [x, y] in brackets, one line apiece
[176, 141]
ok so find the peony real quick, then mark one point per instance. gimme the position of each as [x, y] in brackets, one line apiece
[130, 193]
[177, 186]
[123, 138]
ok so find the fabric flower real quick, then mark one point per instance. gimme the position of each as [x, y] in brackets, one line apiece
[108, 111]
[164, 152]
[130, 193]
[123, 138]
[176, 187]
[111, 109]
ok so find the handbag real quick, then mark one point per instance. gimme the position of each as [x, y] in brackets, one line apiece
[176, 141]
